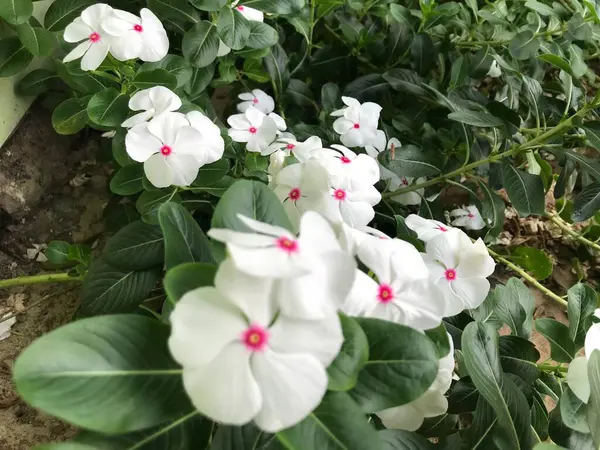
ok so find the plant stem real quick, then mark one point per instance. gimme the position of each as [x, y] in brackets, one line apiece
[558, 129]
[529, 278]
[38, 279]
[557, 220]
[507, 41]
[552, 368]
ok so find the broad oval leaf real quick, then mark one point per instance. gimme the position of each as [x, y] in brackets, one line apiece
[187, 277]
[16, 12]
[37, 82]
[149, 202]
[573, 411]
[562, 348]
[108, 108]
[157, 77]
[175, 65]
[70, 116]
[233, 28]
[58, 252]
[524, 45]
[525, 191]
[108, 290]
[587, 203]
[175, 10]
[14, 57]
[580, 307]
[136, 246]
[343, 371]
[402, 365]
[476, 119]
[410, 161]
[247, 437]
[128, 180]
[200, 80]
[403, 440]
[261, 35]
[534, 260]
[201, 44]
[39, 41]
[121, 360]
[62, 12]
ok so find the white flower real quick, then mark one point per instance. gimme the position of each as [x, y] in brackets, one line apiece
[109, 134]
[212, 142]
[285, 142]
[249, 13]
[244, 361]
[459, 267]
[223, 49]
[279, 121]
[153, 102]
[495, 70]
[426, 229]
[467, 217]
[351, 238]
[350, 204]
[358, 124]
[169, 148]
[310, 148]
[37, 252]
[314, 275]
[345, 166]
[577, 376]
[88, 28]
[257, 98]
[402, 292]
[6, 325]
[276, 163]
[137, 37]
[253, 127]
[301, 187]
[395, 181]
[432, 403]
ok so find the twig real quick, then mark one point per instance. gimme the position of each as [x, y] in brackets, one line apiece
[38, 279]
[557, 220]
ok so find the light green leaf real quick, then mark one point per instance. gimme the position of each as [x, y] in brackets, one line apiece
[58, 252]
[524, 45]
[16, 12]
[137, 246]
[39, 41]
[533, 260]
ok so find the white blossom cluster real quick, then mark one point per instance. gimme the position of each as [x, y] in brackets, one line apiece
[101, 30]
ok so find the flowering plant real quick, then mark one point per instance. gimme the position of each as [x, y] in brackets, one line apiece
[295, 274]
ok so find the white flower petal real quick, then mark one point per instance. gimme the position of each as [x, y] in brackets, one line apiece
[141, 144]
[77, 52]
[163, 99]
[447, 246]
[239, 122]
[141, 101]
[94, 56]
[426, 229]
[94, 15]
[185, 168]
[158, 172]
[592, 340]
[279, 121]
[77, 31]
[362, 298]
[142, 117]
[472, 291]
[353, 138]
[155, 46]
[251, 13]
[405, 417]
[578, 380]
[166, 126]
[342, 125]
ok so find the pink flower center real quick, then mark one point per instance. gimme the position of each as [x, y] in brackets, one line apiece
[240, 8]
[255, 338]
[294, 194]
[404, 181]
[385, 294]
[357, 126]
[166, 150]
[253, 130]
[442, 229]
[255, 101]
[138, 28]
[450, 274]
[94, 37]
[339, 194]
[287, 245]
[290, 146]
[345, 160]
[470, 216]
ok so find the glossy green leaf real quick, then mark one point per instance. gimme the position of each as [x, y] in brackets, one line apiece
[201, 44]
[16, 12]
[37, 82]
[200, 80]
[175, 65]
[71, 115]
[533, 260]
[175, 10]
[261, 35]
[525, 191]
[108, 108]
[519, 356]
[582, 302]
[233, 28]
[149, 202]
[276, 64]
[212, 173]
[157, 77]
[562, 347]
[58, 252]
[62, 12]
[587, 203]
[524, 45]
[39, 41]
[137, 246]
[14, 57]
[187, 277]
[118, 369]
[128, 180]
[343, 371]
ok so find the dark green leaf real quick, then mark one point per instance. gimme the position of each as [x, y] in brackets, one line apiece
[476, 119]
[39, 41]
[208, 5]
[16, 12]
[562, 347]
[156, 77]
[587, 203]
[331, 97]
[462, 397]
[175, 10]
[519, 356]
[582, 303]
[573, 411]
[187, 277]
[174, 64]
[149, 202]
[525, 191]
[406, 81]
[211, 174]
[343, 371]
[201, 44]
[233, 28]
[37, 82]
[410, 161]
[201, 78]
[14, 57]
[108, 108]
[261, 35]
[367, 88]
[62, 12]
[137, 246]
[422, 53]
[556, 61]
[276, 64]
[283, 7]
[403, 440]
[128, 180]
[247, 437]
[524, 45]
[70, 116]
[592, 132]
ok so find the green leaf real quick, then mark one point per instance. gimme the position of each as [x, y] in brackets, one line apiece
[118, 368]
[16, 12]
[233, 28]
[177, 10]
[578, 64]
[184, 239]
[119, 151]
[403, 440]
[406, 81]
[208, 5]
[462, 397]
[247, 437]
[330, 97]
[128, 180]
[58, 252]
[14, 57]
[276, 64]
[261, 35]
[519, 356]
[541, 8]
[283, 7]
[71, 115]
[579, 29]
[510, 311]
[594, 402]
[108, 290]
[410, 161]
[556, 61]
[524, 45]
[476, 119]
[534, 261]
[482, 360]
[62, 12]
[336, 424]
[539, 416]
[37, 82]
[525, 191]
[175, 65]
[422, 53]
[573, 411]
[343, 371]
[108, 108]
[582, 302]
[251, 199]
[211, 174]
[137, 246]
[156, 77]
[39, 41]
[200, 44]
[219, 188]
[587, 203]
[149, 202]
[592, 132]
[187, 277]
[492, 207]
[402, 365]
[201, 78]
[562, 348]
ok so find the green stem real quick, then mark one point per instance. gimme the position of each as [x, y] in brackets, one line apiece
[552, 368]
[535, 283]
[38, 279]
[507, 41]
[563, 226]
[559, 129]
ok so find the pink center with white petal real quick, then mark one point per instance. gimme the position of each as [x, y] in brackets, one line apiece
[357, 126]
[287, 245]
[345, 160]
[252, 130]
[441, 228]
[255, 338]
[339, 194]
[138, 28]
[404, 181]
[470, 216]
[290, 146]
[255, 100]
[450, 274]
[94, 37]
[294, 194]
[166, 150]
[240, 8]
[385, 293]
